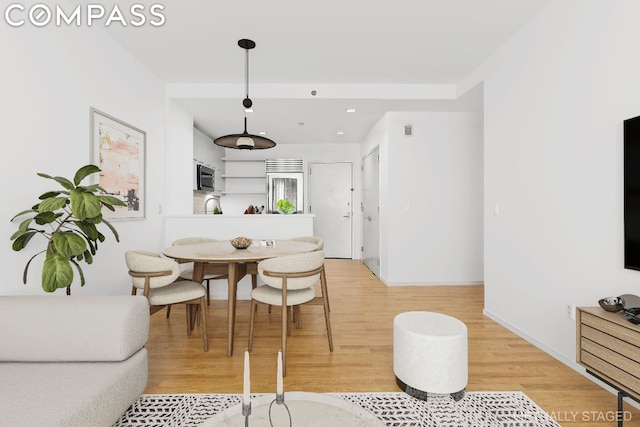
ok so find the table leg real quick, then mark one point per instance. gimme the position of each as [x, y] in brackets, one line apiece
[198, 272]
[231, 307]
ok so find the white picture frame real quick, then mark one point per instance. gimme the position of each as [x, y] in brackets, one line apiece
[119, 150]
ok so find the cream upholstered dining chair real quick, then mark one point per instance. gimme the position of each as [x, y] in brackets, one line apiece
[156, 277]
[187, 273]
[289, 281]
[319, 242]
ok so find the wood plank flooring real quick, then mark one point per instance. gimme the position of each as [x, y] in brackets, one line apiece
[362, 312]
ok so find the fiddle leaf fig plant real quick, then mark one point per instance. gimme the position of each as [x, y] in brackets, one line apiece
[67, 219]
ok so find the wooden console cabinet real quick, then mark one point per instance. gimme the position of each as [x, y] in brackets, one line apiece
[608, 346]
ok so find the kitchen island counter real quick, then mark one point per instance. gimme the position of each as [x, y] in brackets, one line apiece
[262, 226]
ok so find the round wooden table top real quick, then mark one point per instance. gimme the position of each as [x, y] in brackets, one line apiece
[223, 251]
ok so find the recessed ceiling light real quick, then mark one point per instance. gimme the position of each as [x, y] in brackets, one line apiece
[248, 110]
[340, 132]
[351, 110]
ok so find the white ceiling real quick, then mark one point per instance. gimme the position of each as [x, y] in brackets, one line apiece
[329, 42]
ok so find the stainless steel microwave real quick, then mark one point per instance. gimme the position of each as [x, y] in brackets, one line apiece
[205, 178]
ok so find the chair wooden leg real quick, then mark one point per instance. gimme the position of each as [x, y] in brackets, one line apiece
[285, 326]
[325, 300]
[323, 285]
[203, 314]
[189, 320]
[254, 284]
[252, 318]
[208, 296]
[289, 316]
[297, 316]
[168, 311]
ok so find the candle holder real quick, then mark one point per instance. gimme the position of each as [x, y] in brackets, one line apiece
[246, 411]
[281, 402]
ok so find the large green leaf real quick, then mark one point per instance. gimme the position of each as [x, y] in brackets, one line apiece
[93, 187]
[56, 272]
[112, 228]
[111, 201]
[21, 241]
[59, 179]
[80, 273]
[46, 217]
[49, 194]
[84, 204]
[68, 243]
[24, 225]
[26, 267]
[88, 257]
[52, 204]
[88, 229]
[83, 172]
[28, 211]
[94, 220]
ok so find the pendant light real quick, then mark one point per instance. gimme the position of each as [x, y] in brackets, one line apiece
[245, 140]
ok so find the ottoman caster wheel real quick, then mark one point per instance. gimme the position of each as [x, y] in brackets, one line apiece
[458, 395]
[411, 391]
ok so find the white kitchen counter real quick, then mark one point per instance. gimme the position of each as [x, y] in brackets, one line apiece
[263, 226]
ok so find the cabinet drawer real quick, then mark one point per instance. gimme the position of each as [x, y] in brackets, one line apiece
[608, 341]
[613, 374]
[620, 362]
[629, 335]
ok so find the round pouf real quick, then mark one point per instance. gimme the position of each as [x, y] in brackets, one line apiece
[430, 354]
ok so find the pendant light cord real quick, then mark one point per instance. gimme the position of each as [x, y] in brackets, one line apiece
[247, 73]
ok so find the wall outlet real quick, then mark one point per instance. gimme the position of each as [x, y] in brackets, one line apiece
[570, 311]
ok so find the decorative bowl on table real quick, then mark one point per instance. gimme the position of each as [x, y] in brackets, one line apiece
[241, 242]
[612, 304]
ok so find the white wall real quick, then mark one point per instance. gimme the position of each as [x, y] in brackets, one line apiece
[433, 206]
[555, 98]
[50, 77]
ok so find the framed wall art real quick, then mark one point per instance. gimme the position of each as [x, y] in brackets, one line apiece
[118, 149]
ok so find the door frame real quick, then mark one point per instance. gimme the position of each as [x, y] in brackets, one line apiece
[378, 270]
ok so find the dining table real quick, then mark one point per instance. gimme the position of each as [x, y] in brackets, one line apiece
[220, 257]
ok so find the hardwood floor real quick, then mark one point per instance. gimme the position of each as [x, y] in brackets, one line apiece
[362, 312]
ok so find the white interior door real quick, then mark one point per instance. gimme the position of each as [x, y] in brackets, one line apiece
[371, 211]
[330, 199]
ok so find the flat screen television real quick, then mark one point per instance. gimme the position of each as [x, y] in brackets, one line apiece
[632, 193]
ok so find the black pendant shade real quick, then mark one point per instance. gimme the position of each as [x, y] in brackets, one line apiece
[245, 140]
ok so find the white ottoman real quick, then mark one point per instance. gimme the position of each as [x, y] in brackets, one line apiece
[430, 354]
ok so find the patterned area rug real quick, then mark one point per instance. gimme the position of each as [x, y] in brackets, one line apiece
[476, 409]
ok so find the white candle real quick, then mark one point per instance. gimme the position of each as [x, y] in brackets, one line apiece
[279, 379]
[247, 387]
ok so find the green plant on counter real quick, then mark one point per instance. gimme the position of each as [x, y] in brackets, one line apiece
[217, 211]
[71, 216]
[284, 206]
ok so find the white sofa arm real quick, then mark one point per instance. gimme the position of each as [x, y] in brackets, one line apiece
[50, 328]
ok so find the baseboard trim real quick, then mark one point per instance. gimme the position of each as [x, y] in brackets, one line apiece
[558, 356]
[433, 283]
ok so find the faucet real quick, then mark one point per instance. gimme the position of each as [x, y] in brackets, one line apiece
[205, 204]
